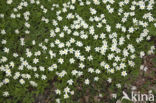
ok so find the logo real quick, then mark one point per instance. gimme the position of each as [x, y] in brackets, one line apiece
[138, 97]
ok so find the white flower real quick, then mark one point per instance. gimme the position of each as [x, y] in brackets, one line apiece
[90, 58]
[87, 48]
[61, 74]
[58, 100]
[73, 1]
[111, 70]
[102, 35]
[124, 73]
[1, 15]
[6, 81]
[57, 30]
[80, 73]
[121, 40]
[95, 37]
[57, 91]
[66, 96]
[27, 24]
[72, 92]
[9, 1]
[3, 32]
[145, 68]
[33, 83]
[24, 63]
[108, 28]
[67, 90]
[74, 72]
[118, 85]
[20, 67]
[113, 48]
[6, 50]
[131, 30]
[3, 41]
[125, 53]
[15, 55]
[43, 77]
[50, 68]
[96, 78]
[123, 29]
[1, 84]
[111, 10]
[88, 2]
[70, 82]
[81, 65]
[16, 76]
[42, 68]
[92, 11]
[87, 81]
[97, 71]
[22, 41]
[142, 54]
[32, 1]
[22, 81]
[60, 60]
[90, 70]
[122, 65]
[35, 60]
[71, 60]
[29, 54]
[107, 66]
[8, 72]
[79, 43]
[36, 75]
[110, 56]
[96, 2]
[102, 64]
[114, 95]
[109, 80]
[132, 7]
[77, 53]
[82, 58]
[27, 31]
[6, 94]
